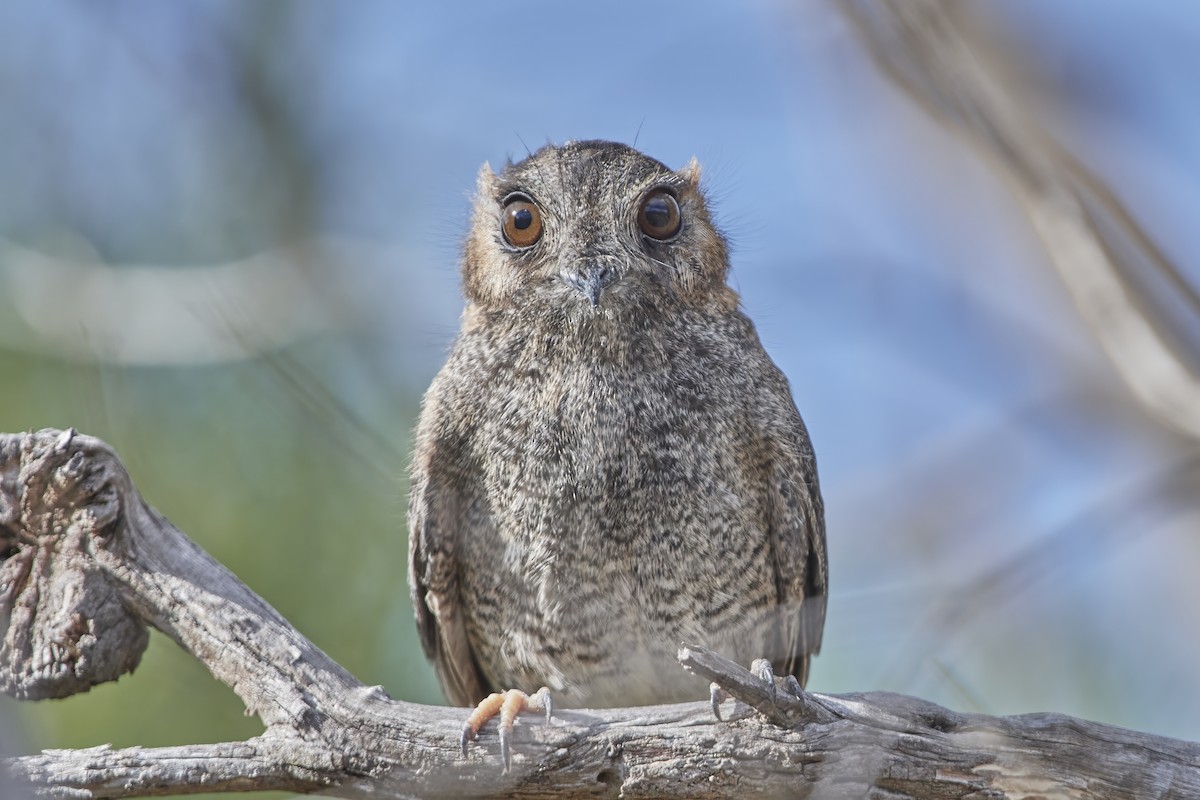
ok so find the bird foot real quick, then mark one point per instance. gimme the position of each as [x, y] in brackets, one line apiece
[762, 670]
[506, 705]
[766, 673]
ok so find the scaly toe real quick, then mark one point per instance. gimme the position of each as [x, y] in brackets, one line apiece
[762, 668]
[505, 705]
[488, 707]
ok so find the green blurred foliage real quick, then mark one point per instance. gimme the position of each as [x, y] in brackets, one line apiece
[270, 488]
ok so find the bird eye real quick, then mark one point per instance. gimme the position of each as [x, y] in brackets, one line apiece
[659, 215]
[522, 222]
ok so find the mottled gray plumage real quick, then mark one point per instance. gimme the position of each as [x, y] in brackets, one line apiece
[596, 483]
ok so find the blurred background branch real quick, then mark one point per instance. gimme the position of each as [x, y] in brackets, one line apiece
[155, 316]
[1099, 250]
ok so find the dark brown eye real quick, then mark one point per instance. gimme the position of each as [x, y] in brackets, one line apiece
[659, 215]
[522, 223]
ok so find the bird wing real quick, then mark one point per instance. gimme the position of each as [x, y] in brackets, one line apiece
[435, 520]
[796, 527]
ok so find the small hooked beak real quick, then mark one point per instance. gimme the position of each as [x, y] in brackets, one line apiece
[591, 281]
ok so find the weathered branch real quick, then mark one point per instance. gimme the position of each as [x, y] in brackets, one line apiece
[87, 564]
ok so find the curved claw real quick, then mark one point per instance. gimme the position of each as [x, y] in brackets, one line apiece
[468, 733]
[546, 699]
[506, 746]
[716, 696]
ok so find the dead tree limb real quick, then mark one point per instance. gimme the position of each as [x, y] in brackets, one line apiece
[87, 565]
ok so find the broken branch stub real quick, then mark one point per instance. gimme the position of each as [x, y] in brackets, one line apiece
[65, 626]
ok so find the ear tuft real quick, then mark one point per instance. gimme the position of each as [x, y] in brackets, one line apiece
[692, 172]
[485, 181]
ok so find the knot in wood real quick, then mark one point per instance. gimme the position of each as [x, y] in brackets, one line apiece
[65, 628]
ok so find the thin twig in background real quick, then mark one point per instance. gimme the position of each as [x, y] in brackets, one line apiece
[1095, 245]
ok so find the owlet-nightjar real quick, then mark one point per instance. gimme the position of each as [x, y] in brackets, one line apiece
[609, 464]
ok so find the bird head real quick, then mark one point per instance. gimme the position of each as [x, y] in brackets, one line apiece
[591, 229]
